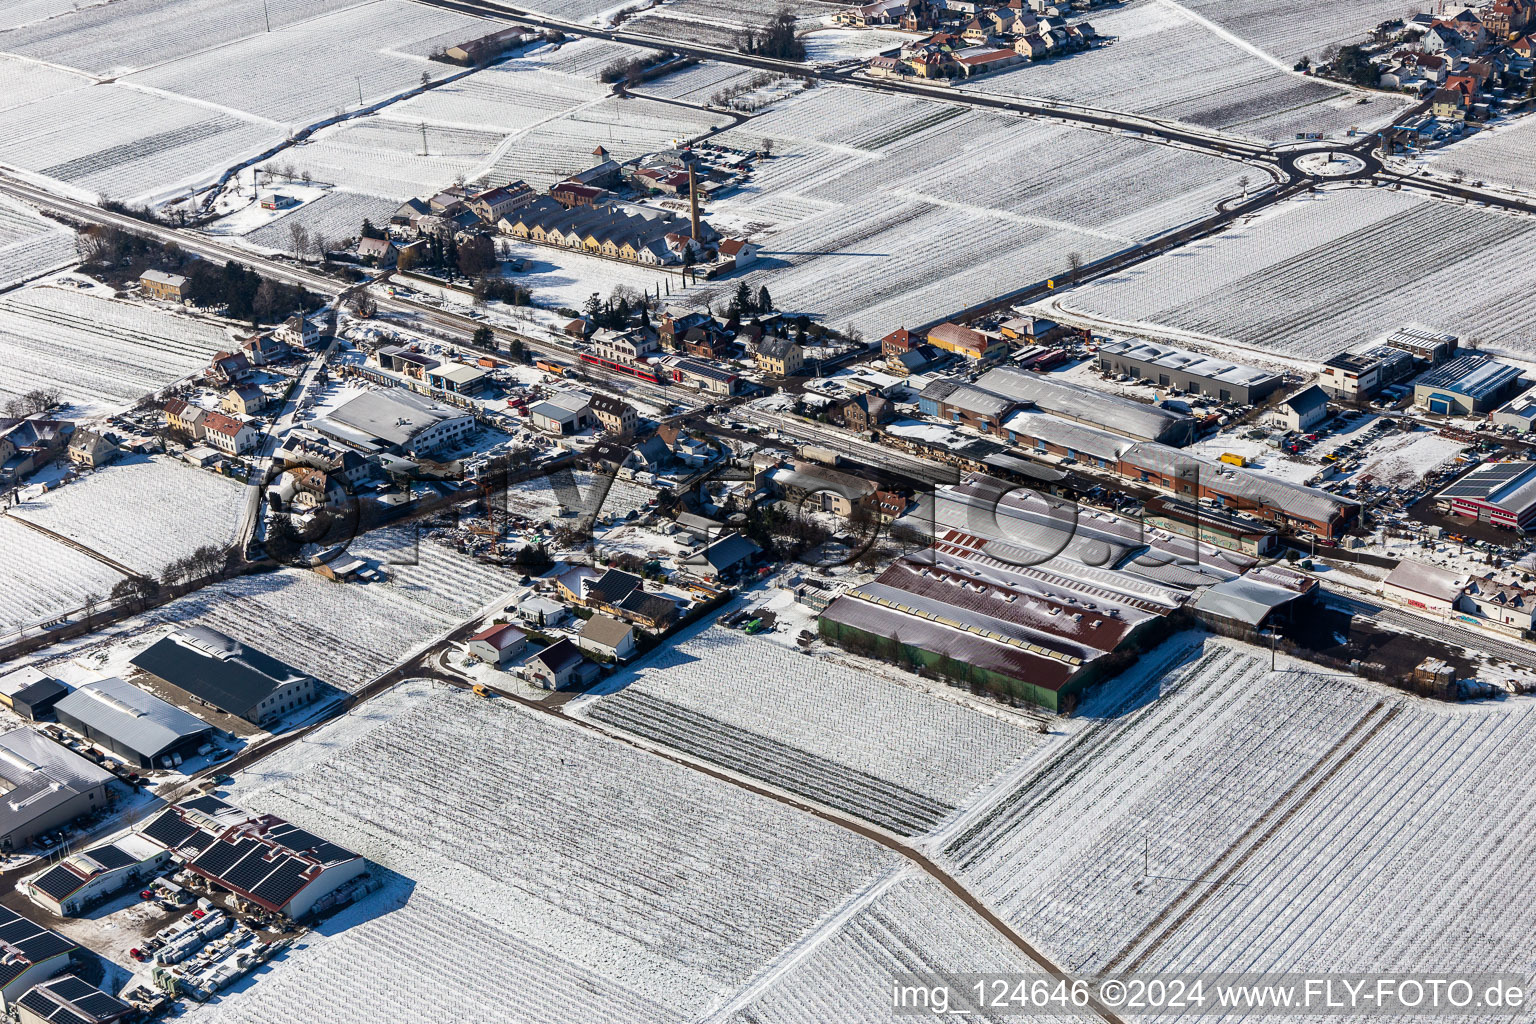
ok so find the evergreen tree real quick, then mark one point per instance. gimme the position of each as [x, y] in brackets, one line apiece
[764, 300]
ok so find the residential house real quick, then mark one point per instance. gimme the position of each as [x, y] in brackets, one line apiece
[626, 347]
[378, 252]
[897, 342]
[608, 638]
[90, 448]
[27, 444]
[723, 557]
[542, 613]
[654, 612]
[184, 417]
[1508, 603]
[1448, 104]
[1301, 411]
[779, 357]
[559, 666]
[227, 434]
[498, 644]
[262, 350]
[229, 367]
[243, 401]
[158, 284]
[864, 413]
[744, 253]
[616, 415]
[298, 331]
[495, 203]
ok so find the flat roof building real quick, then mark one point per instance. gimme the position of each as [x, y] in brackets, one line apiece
[135, 725]
[1355, 375]
[1518, 412]
[1426, 346]
[43, 785]
[395, 422]
[1169, 367]
[1466, 386]
[1501, 493]
[1113, 413]
[79, 882]
[31, 692]
[225, 674]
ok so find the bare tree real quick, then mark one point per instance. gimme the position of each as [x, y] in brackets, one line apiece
[1075, 265]
[1243, 182]
[299, 235]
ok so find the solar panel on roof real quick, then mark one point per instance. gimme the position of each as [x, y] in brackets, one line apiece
[70, 987]
[98, 1004]
[169, 830]
[220, 856]
[16, 929]
[250, 869]
[44, 945]
[206, 804]
[111, 857]
[199, 839]
[283, 884]
[58, 882]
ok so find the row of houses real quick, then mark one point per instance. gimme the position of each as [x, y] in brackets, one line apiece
[973, 40]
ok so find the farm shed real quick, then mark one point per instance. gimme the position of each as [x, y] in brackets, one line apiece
[82, 880]
[30, 692]
[45, 785]
[135, 725]
[224, 673]
[69, 1000]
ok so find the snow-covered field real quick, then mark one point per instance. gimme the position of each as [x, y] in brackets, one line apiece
[889, 753]
[1226, 818]
[1165, 62]
[101, 354]
[1404, 459]
[31, 244]
[1504, 154]
[835, 44]
[886, 211]
[141, 512]
[590, 882]
[334, 216]
[41, 579]
[559, 277]
[1291, 31]
[718, 22]
[1310, 277]
[909, 925]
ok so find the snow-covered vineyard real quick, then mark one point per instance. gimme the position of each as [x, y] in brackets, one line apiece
[1226, 818]
[100, 354]
[888, 210]
[885, 752]
[122, 511]
[1168, 63]
[31, 244]
[1503, 155]
[42, 579]
[654, 907]
[1312, 276]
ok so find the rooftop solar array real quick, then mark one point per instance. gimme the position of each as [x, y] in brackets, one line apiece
[58, 882]
[68, 1000]
[34, 942]
[112, 857]
[1487, 479]
[249, 865]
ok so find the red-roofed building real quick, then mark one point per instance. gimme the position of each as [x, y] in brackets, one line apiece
[498, 645]
[228, 434]
[740, 251]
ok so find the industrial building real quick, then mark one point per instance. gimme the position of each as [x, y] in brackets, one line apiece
[44, 785]
[1047, 435]
[135, 725]
[31, 692]
[1113, 413]
[259, 857]
[569, 412]
[1225, 530]
[1518, 413]
[1176, 368]
[79, 882]
[225, 674]
[1195, 477]
[1501, 493]
[1352, 376]
[1425, 586]
[1425, 346]
[33, 954]
[69, 1000]
[395, 422]
[1246, 606]
[1468, 385]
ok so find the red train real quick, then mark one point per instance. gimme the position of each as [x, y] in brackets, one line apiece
[638, 372]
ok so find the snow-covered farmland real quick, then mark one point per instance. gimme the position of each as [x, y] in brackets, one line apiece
[141, 512]
[116, 38]
[1165, 62]
[1225, 818]
[635, 890]
[41, 579]
[717, 22]
[887, 210]
[1311, 276]
[309, 70]
[835, 44]
[334, 216]
[813, 725]
[31, 244]
[121, 143]
[1501, 155]
[843, 973]
[1291, 31]
[101, 354]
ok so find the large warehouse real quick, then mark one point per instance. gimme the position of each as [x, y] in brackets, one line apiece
[44, 785]
[225, 674]
[137, 726]
[1084, 405]
[1468, 385]
[1501, 493]
[1169, 367]
[395, 422]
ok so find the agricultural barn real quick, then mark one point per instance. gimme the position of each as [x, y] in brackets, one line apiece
[225, 674]
[30, 692]
[33, 954]
[1169, 367]
[1466, 386]
[1084, 405]
[68, 1000]
[79, 882]
[261, 858]
[45, 785]
[1425, 586]
[1501, 493]
[135, 725]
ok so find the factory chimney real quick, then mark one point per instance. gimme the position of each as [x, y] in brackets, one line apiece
[693, 202]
